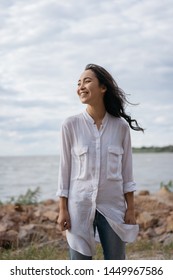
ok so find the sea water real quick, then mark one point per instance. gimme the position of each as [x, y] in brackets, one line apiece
[18, 174]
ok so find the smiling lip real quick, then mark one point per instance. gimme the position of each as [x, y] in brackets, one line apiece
[83, 94]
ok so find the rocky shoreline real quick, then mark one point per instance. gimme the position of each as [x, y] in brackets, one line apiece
[21, 225]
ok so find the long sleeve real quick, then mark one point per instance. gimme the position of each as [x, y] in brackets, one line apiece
[127, 169]
[65, 163]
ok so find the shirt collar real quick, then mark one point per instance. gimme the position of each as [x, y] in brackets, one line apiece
[91, 120]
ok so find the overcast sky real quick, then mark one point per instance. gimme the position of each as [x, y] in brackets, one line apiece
[44, 47]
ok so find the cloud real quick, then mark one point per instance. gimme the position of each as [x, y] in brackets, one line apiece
[45, 46]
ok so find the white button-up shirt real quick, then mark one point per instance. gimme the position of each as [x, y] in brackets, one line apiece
[95, 172]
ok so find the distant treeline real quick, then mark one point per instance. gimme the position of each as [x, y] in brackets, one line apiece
[153, 149]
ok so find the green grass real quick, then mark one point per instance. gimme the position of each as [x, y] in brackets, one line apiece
[30, 197]
[149, 250]
[138, 250]
[34, 252]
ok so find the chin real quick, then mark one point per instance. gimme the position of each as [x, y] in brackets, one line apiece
[84, 101]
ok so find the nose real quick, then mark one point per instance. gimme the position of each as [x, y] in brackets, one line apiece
[80, 87]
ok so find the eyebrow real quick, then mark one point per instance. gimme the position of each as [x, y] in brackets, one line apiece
[86, 78]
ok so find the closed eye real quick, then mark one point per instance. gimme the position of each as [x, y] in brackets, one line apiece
[85, 80]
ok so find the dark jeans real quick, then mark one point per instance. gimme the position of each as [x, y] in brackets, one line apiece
[113, 246]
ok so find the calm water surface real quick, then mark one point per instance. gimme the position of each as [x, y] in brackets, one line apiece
[18, 174]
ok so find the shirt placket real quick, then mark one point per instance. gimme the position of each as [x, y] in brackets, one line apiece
[95, 182]
[97, 161]
[97, 172]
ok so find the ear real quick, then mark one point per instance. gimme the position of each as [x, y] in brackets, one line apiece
[104, 88]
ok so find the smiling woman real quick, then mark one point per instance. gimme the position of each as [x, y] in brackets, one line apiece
[95, 177]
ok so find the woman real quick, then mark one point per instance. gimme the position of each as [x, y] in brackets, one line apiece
[95, 177]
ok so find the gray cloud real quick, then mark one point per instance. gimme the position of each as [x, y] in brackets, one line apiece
[44, 47]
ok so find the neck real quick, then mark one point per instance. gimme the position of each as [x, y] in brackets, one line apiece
[97, 113]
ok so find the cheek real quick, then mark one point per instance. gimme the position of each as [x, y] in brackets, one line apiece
[77, 91]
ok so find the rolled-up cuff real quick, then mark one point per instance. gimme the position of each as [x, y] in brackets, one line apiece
[63, 193]
[129, 187]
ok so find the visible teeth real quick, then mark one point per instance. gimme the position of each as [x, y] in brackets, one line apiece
[83, 94]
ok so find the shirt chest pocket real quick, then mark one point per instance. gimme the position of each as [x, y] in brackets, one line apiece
[114, 163]
[80, 162]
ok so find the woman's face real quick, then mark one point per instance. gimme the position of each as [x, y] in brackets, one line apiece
[89, 90]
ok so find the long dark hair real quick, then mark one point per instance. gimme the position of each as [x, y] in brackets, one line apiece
[114, 98]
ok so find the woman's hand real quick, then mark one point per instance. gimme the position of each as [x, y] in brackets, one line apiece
[64, 216]
[129, 217]
[64, 220]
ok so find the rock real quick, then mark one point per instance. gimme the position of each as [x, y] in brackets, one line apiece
[144, 192]
[169, 223]
[19, 208]
[30, 234]
[49, 202]
[21, 225]
[146, 220]
[168, 240]
[3, 227]
[37, 213]
[160, 230]
[150, 232]
[51, 215]
[9, 239]
[31, 223]
[165, 195]
[165, 191]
